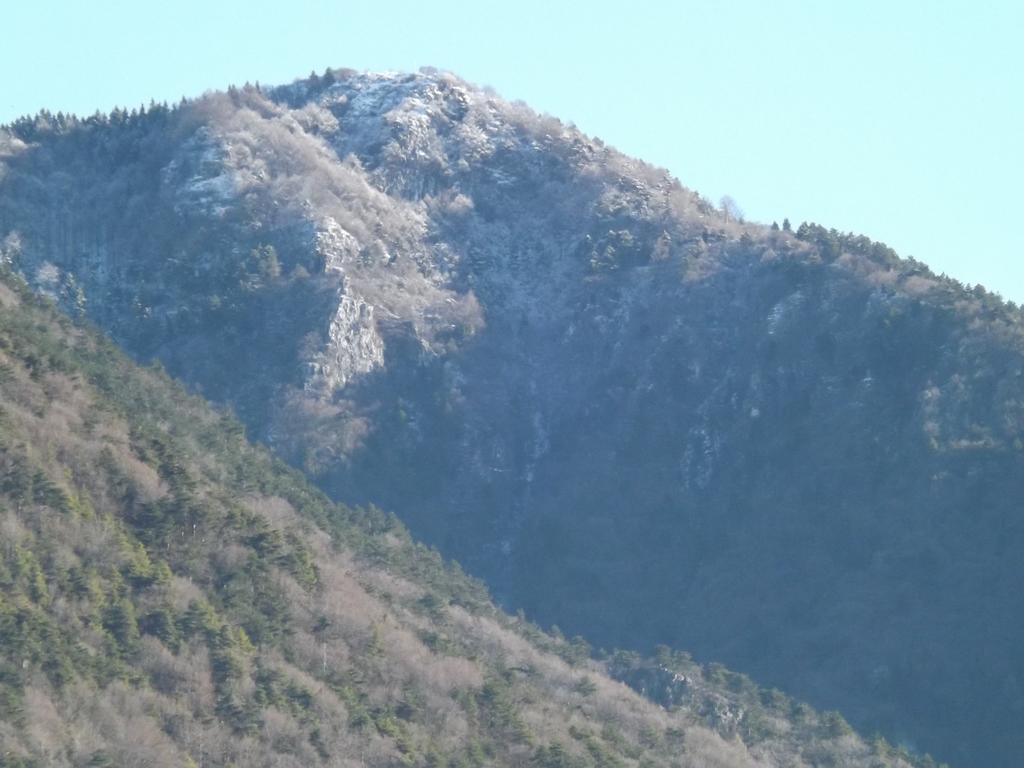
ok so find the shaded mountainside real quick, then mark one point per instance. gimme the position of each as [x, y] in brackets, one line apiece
[632, 415]
[171, 595]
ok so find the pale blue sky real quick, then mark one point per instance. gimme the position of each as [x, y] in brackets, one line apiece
[899, 120]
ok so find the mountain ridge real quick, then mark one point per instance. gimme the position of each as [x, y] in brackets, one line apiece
[555, 362]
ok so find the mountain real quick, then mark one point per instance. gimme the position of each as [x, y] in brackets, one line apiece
[172, 595]
[629, 412]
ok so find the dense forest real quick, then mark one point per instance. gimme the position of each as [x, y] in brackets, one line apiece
[172, 595]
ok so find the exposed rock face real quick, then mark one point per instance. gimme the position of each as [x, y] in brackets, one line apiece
[634, 418]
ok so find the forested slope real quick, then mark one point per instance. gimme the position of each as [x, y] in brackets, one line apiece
[171, 595]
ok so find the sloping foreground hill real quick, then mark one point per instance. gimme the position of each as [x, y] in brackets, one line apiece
[170, 595]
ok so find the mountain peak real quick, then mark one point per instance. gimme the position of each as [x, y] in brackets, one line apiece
[635, 414]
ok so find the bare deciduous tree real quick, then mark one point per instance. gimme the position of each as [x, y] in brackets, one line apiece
[730, 209]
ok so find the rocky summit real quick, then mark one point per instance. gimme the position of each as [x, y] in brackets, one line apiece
[630, 412]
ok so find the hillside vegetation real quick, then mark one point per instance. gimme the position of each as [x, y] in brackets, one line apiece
[171, 595]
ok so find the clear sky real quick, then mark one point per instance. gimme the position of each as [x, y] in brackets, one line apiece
[901, 120]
